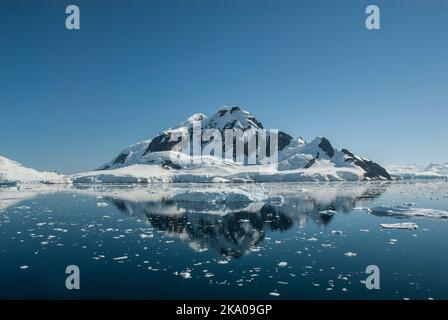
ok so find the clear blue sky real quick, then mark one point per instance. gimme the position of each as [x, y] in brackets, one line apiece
[71, 100]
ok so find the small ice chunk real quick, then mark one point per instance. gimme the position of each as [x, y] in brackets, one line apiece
[274, 294]
[392, 241]
[282, 264]
[185, 275]
[101, 204]
[24, 267]
[120, 258]
[350, 254]
[328, 212]
[361, 209]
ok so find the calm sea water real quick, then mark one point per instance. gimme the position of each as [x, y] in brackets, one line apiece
[136, 243]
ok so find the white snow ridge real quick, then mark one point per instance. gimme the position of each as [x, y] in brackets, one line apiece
[13, 173]
[430, 171]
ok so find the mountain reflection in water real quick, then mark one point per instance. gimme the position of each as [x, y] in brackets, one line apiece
[236, 229]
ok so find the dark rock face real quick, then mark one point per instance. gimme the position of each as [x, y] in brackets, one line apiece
[310, 163]
[254, 120]
[222, 112]
[168, 164]
[283, 140]
[326, 146]
[230, 125]
[235, 109]
[372, 169]
[162, 143]
[121, 158]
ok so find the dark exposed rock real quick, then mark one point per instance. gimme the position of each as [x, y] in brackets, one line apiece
[283, 140]
[222, 112]
[254, 120]
[121, 158]
[372, 169]
[235, 109]
[168, 164]
[348, 153]
[310, 163]
[230, 125]
[326, 146]
[162, 142]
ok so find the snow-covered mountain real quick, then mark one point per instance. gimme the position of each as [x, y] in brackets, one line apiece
[12, 172]
[414, 171]
[152, 160]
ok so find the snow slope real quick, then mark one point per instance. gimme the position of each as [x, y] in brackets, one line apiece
[152, 160]
[12, 172]
[430, 171]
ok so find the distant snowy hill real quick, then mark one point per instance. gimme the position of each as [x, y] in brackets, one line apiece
[430, 171]
[12, 172]
[152, 160]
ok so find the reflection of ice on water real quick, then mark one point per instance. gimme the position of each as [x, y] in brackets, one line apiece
[236, 228]
[262, 228]
[232, 219]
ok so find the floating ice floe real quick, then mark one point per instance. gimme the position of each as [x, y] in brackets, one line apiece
[393, 241]
[146, 236]
[328, 212]
[120, 258]
[185, 275]
[404, 225]
[101, 204]
[361, 209]
[408, 211]
[350, 254]
[23, 267]
[282, 264]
